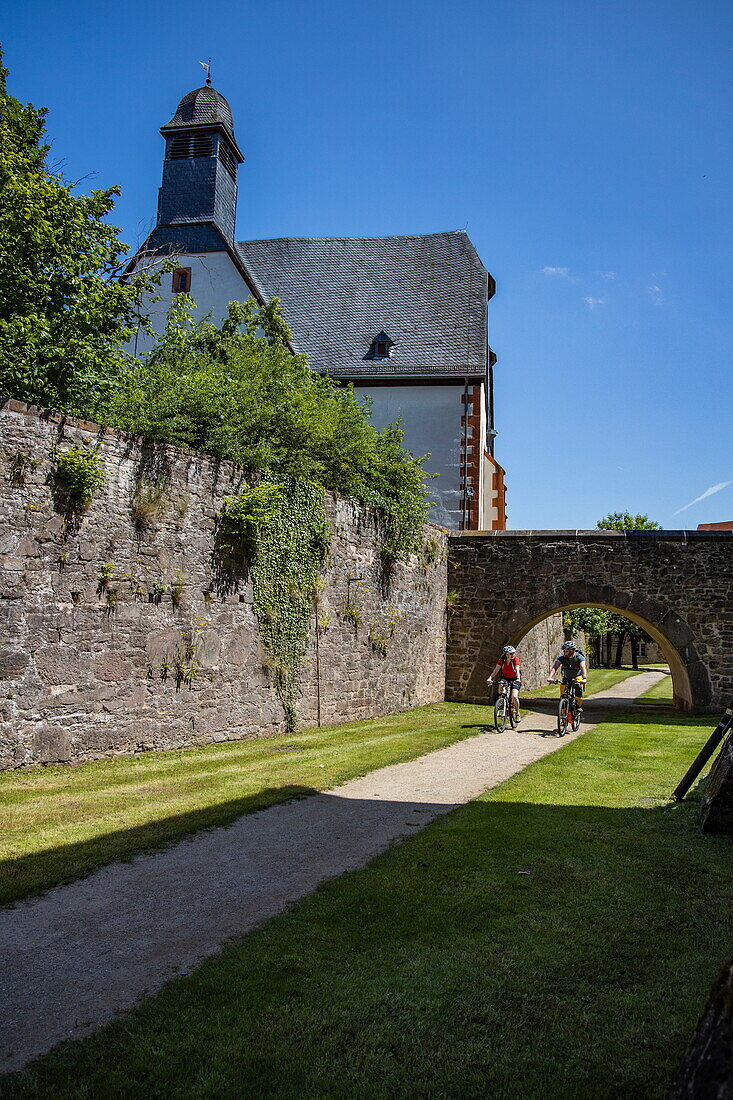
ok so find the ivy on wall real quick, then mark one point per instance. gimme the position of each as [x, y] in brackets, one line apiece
[284, 530]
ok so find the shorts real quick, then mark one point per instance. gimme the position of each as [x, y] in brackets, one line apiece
[573, 683]
[512, 683]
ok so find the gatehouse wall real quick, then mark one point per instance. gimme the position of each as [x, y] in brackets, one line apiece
[676, 584]
[103, 616]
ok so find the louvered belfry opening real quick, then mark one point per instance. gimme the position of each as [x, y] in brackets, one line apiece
[183, 146]
[227, 158]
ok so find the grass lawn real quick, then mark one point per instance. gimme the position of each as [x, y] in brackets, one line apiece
[555, 938]
[58, 823]
[599, 679]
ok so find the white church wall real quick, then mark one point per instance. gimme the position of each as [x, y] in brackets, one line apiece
[215, 282]
[431, 418]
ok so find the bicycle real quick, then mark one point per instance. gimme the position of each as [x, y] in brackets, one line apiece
[568, 711]
[504, 708]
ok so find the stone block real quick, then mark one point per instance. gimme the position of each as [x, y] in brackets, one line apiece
[112, 666]
[58, 664]
[50, 744]
[13, 662]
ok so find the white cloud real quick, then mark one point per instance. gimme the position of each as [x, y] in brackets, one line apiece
[656, 294]
[608, 274]
[593, 302]
[563, 272]
[708, 493]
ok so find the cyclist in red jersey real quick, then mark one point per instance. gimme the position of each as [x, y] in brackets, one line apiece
[507, 668]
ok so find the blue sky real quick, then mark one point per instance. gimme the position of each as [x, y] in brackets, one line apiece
[585, 147]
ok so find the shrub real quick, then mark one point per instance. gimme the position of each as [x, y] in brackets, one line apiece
[81, 471]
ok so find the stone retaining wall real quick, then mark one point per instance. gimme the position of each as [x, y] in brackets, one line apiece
[99, 614]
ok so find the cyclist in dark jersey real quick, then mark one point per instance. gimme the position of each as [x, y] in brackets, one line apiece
[572, 662]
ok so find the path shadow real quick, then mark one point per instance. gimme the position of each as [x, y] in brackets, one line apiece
[38, 872]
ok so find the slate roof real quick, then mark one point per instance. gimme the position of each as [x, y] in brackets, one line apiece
[202, 107]
[428, 293]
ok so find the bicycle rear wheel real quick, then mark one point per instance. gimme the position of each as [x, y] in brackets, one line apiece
[577, 714]
[500, 713]
[563, 716]
[514, 715]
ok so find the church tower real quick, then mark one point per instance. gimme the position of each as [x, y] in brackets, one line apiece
[200, 166]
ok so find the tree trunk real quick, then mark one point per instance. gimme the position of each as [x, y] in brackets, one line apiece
[607, 657]
[634, 651]
[619, 648]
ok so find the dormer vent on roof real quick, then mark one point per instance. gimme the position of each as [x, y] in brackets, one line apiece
[381, 347]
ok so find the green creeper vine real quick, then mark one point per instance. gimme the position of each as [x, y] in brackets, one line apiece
[286, 533]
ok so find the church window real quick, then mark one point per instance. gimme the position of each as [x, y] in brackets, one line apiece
[181, 280]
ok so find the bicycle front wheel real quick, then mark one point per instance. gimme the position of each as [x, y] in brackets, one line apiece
[500, 713]
[563, 716]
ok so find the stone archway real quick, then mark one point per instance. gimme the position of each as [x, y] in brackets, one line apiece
[507, 585]
[684, 663]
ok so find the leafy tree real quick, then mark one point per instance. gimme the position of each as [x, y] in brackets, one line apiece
[237, 392]
[617, 624]
[63, 313]
[624, 521]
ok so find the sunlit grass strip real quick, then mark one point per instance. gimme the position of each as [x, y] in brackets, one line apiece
[599, 679]
[59, 823]
[555, 938]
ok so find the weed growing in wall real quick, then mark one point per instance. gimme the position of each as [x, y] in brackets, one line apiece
[20, 466]
[81, 471]
[148, 505]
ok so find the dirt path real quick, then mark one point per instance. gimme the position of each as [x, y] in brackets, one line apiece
[87, 951]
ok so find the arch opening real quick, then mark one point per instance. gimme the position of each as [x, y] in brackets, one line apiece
[681, 684]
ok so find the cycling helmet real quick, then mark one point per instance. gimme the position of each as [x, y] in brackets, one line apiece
[509, 649]
[569, 645]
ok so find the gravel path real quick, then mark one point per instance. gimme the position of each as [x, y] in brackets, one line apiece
[84, 952]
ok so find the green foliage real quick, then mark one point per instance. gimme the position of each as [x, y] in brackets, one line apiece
[242, 517]
[64, 314]
[238, 392]
[82, 471]
[158, 592]
[352, 614]
[106, 573]
[289, 547]
[624, 521]
[593, 621]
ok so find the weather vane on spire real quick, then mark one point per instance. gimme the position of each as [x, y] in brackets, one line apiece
[207, 67]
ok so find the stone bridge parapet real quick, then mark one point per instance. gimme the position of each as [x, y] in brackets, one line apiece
[677, 585]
